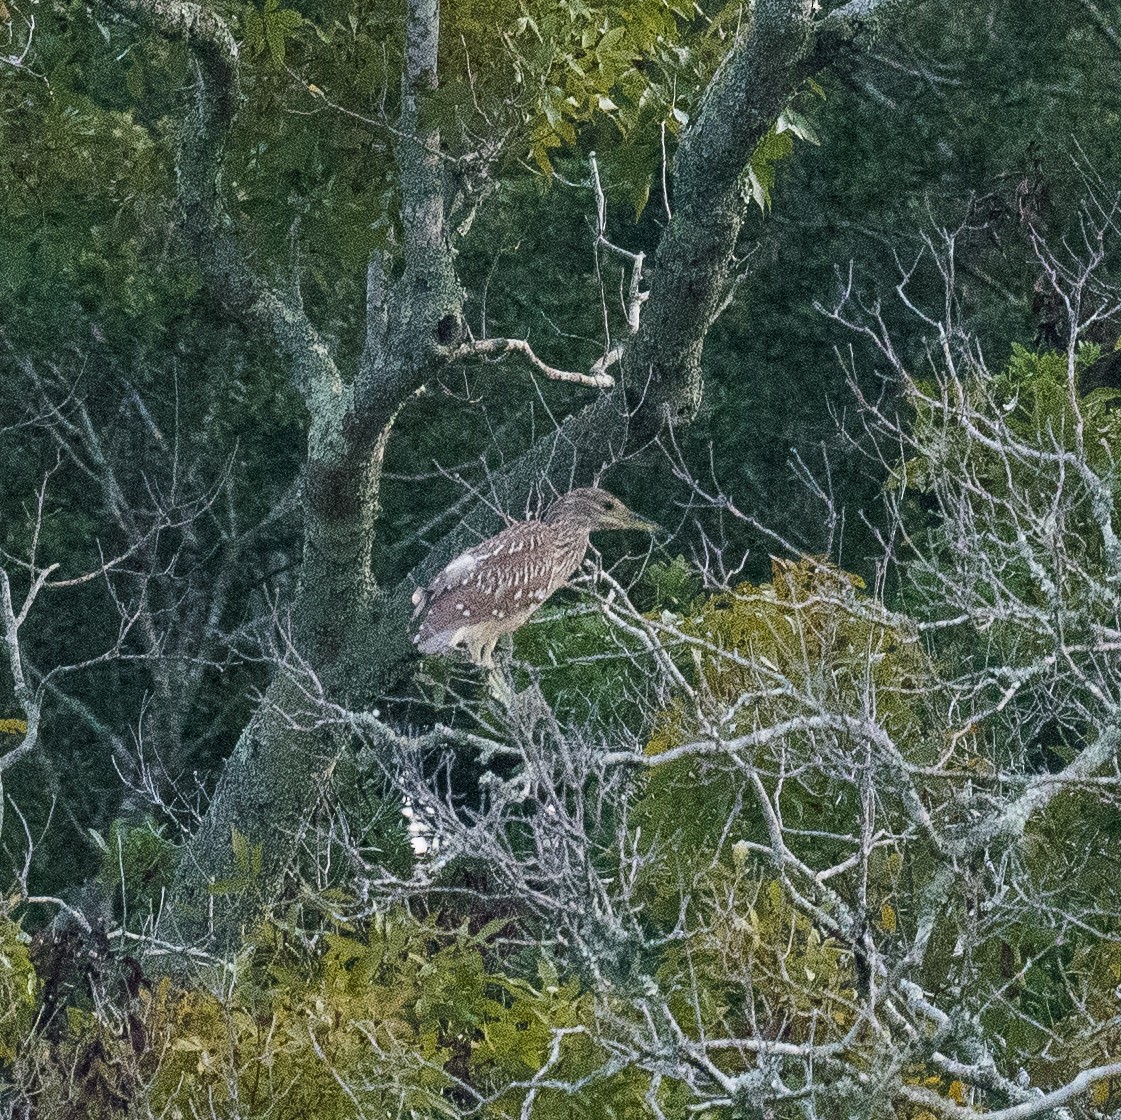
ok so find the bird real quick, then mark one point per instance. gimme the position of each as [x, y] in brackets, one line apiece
[494, 587]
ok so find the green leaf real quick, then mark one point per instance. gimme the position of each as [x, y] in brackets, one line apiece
[254, 27]
[769, 152]
[247, 865]
[790, 120]
[247, 856]
[267, 29]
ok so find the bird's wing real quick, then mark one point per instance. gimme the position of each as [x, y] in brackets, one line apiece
[504, 577]
[496, 558]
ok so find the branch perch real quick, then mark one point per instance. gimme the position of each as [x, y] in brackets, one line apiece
[499, 347]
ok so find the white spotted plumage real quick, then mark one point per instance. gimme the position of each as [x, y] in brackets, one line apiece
[493, 588]
[490, 582]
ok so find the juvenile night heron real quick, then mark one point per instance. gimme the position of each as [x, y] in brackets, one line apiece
[491, 589]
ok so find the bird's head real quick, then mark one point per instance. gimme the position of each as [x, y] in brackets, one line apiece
[592, 508]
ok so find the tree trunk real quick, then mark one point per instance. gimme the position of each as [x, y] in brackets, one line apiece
[284, 757]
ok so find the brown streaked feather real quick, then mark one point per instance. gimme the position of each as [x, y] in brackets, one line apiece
[495, 586]
[491, 589]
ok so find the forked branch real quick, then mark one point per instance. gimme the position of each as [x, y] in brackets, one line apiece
[202, 144]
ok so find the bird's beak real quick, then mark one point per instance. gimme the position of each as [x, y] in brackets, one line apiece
[627, 519]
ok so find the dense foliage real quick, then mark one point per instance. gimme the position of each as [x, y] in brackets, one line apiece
[808, 811]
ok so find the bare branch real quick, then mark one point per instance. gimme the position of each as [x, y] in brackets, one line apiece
[1038, 1106]
[497, 347]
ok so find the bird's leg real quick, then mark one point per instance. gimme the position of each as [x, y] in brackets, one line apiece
[499, 686]
[525, 710]
[500, 679]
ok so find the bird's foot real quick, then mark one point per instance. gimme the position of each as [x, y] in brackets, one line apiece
[500, 685]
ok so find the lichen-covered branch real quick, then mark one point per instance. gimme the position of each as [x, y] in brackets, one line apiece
[1039, 1104]
[498, 347]
[425, 323]
[27, 698]
[202, 148]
